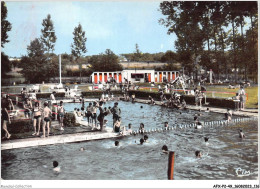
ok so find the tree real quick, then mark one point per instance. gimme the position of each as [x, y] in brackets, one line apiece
[137, 54]
[105, 62]
[48, 37]
[35, 67]
[5, 64]
[5, 24]
[78, 48]
[183, 20]
[5, 27]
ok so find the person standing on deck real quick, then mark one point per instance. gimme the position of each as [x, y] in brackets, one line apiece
[52, 97]
[242, 95]
[46, 120]
[94, 113]
[5, 118]
[37, 114]
[101, 116]
[28, 107]
[89, 113]
[61, 111]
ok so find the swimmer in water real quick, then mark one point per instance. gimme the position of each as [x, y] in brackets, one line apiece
[198, 154]
[241, 134]
[198, 125]
[196, 120]
[165, 149]
[82, 149]
[56, 167]
[141, 128]
[116, 143]
[206, 139]
[166, 125]
[141, 107]
[145, 138]
[141, 141]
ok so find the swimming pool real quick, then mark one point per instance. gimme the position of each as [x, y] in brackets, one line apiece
[152, 116]
[223, 158]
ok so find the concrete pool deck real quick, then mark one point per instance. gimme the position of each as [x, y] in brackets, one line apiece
[88, 135]
[57, 139]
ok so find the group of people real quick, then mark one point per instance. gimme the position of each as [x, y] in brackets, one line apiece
[33, 109]
[43, 115]
[92, 117]
[175, 101]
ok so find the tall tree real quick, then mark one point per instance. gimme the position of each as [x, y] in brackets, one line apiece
[34, 65]
[137, 54]
[5, 24]
[182, 18]
[48, 37]
[5, 64]
[78, 48]
[107, 61]
[5, 27]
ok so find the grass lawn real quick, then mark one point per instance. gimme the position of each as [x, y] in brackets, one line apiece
[217, 92]
[213, 91]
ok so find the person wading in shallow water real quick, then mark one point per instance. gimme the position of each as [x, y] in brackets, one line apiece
[102, 113]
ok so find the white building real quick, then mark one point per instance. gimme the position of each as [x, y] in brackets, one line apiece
[134, 76]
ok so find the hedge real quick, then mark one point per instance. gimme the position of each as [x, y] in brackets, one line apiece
[217, 102]
[98, 93]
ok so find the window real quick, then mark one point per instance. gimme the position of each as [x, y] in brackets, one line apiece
[137, 75]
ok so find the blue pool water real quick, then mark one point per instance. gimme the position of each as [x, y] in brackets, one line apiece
[223, 157]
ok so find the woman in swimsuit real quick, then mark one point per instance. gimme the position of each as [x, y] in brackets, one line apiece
[37, 113]
[5, 119]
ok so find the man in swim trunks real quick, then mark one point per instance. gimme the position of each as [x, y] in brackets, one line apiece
[28, 107]
[89, 113]
[46, 119]
[116, 112]
[61, 115]
[94, 113]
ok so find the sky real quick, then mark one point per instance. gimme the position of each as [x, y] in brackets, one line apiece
[114, 25]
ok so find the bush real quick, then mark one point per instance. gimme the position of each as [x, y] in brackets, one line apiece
[97, 93]
[19, 126]
[69, 119]
[47, 95]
